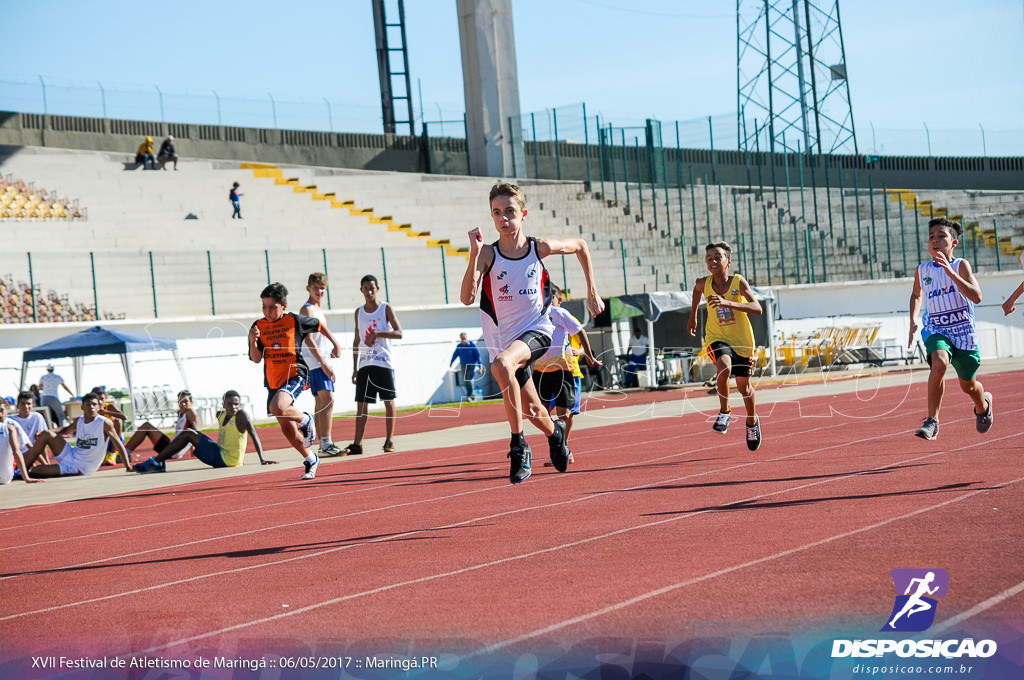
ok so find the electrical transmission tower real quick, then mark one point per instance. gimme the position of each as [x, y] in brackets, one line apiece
[792, 88]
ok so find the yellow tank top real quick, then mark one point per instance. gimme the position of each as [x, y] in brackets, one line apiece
[727, 325]
[575, 344]
[232, 443]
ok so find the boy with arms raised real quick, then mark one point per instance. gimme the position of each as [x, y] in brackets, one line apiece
[516, 294]
[92, 431]
[276, 340]
[373, 371]
[948, 291]
[728, 337]
[321, 386]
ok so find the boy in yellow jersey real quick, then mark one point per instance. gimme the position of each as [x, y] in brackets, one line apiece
[229, 449]
[728, 337]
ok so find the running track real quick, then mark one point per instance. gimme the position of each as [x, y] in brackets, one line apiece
[662, 530]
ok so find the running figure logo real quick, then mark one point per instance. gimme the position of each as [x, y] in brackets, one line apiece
[915, 607]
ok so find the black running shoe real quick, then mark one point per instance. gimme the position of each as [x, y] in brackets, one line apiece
[984, 420]
[352, 450]
[520, 468]
[557, 448]
[754, 435]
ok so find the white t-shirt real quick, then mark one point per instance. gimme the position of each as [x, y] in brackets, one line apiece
[49, 384]
[32, 425]
[559, 355]
[638, 346]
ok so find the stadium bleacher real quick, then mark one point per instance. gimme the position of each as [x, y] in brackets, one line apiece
[163, 243]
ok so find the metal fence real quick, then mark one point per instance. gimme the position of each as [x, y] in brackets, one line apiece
[570, 123]
[163, 284]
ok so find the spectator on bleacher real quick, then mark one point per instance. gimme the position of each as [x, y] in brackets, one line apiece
[188, 419]
[110, 410]
[145, 153]
[50, 385]
[34, 389]
[167, 153]
[234, 195]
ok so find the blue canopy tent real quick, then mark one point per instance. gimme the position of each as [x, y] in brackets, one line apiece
[100, 340]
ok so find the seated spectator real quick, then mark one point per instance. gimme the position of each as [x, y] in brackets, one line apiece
[188, 419]
[229, 449]
[167, 153]
[110, 409]
[31, 423]
[34, 389]
[93, 433]
[145, 153]
[11, 439]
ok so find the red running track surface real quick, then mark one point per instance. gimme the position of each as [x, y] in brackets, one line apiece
[662, 529]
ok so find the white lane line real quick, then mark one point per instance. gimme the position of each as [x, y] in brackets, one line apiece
[618, 532]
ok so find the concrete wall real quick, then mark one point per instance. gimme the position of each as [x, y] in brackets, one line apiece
[215, 356]
[214, 348]
[448, 156]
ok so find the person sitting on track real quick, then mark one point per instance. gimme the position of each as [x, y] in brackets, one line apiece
[228, 451]
[187, 419]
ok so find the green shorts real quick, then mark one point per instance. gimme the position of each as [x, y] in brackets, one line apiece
[966, 362]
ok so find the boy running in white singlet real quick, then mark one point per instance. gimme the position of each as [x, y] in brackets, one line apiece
[373, 371]
[516, 293]
[321, 386]
[728, 336]
[947, 289]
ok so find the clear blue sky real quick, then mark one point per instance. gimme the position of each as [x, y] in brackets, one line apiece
[946, 64]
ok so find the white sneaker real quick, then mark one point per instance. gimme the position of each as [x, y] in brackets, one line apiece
[310, 472]
[308, 432]
[330, 451]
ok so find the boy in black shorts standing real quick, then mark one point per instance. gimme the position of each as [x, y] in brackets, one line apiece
[373, 371]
